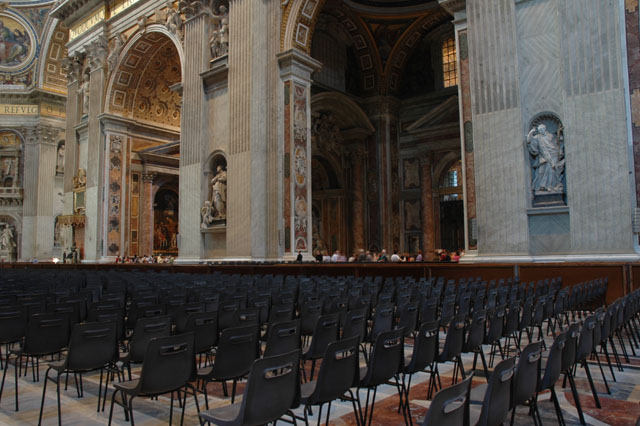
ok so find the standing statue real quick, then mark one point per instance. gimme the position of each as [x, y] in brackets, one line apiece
[114, 53]
[547, 153]
[173, 21]
[60, 160]
[6, 239]
[85, 91]
[219, 193]
[219, 41]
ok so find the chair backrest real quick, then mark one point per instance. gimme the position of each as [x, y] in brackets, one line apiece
[429, 310]
[425, 347]
[525, 382]
[47, 333]
[276, 377]
[13, 323]
[496, 324]
[339, 371]
[145, 330]
[92, 346]
[497, 399]
[553, 368]
[246, 316]
[513, 319]
[355, 324]
[107, 315]
[226, 313]
[204, 326]
[585, 342]
[570, 346]
[284, 337]
[409, 318]
[477, 330]
[454, 340]
[382, 321]
[309, 314]
[280, 313]
[386, 359]
[324, 332]
[450, 406]
[169, 362]
[237, 349]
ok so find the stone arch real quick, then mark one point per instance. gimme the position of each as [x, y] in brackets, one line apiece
[443, 165]
[298, 23]
[349, 113]
[140, 85]
[401, 53]
[50, 74]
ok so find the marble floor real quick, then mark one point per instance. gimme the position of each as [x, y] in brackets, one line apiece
[622, 407]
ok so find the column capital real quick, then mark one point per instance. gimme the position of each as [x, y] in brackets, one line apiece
[97, 53]
[149, 176]
[46, 135]
[72, 66]
[297, 64]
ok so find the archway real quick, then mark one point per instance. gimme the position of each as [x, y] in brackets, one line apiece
[165, 221]
[142, 122]
[387, 98]
[451, 207]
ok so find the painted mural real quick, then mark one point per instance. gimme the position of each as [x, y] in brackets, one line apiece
[15, 43]
[165, 219]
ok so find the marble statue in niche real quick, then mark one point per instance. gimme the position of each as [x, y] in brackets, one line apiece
[85, 92]
[219, 194]
[60, 159]
[545, 144]
[6, 239]
[219, 41]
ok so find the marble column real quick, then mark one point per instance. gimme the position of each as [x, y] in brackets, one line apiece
[358, 157]
[383, 111]
[94, 224]
[295, 70]
[40, 154]
[254, 161]
[146, 239]
[192, 130]
[73, 67]
[428, 222]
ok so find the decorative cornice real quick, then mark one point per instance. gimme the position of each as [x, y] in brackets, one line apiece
[453, 6]
[296, 63]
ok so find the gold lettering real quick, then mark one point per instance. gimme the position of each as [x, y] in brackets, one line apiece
[7, 109]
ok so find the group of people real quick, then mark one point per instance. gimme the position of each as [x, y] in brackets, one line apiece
[362, 256]
[370, 256]
[145, 259]
[453, 256]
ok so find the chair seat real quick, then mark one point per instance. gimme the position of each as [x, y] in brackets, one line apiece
[226, 415]
[477, 394]
[306, 389]
[57, 365]
[128, 386]
[474, 413]
[363, 373]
